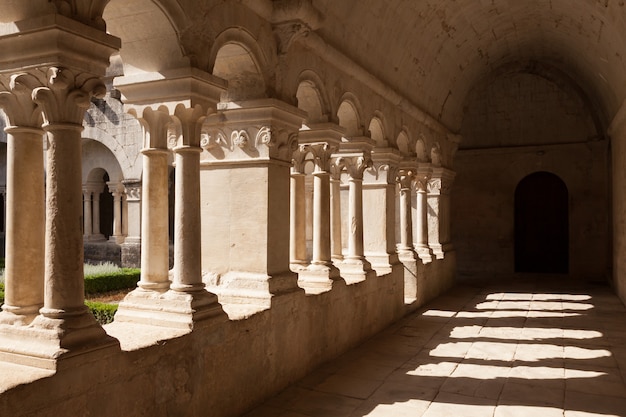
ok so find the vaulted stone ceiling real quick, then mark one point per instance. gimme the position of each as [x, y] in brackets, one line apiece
[434, 51]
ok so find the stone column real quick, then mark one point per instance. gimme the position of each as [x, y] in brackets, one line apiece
[379, 210]
[65, 58]
[321, 273]
[132, 244]
[24, 213]
[422, 247]
[116, 192]
[336, 246]
[87, 215]
[245, 185]
[438, 211]
[188, 93]
[154, 207]
[124, 212]
[297, 207]
[97, 235]
[355, 267]
[405, 182]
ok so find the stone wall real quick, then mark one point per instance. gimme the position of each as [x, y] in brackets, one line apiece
[515, 125]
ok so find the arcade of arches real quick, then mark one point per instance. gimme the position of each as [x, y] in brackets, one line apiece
[292, 176]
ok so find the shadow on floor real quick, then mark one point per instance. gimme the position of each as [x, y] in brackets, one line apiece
[531, 346]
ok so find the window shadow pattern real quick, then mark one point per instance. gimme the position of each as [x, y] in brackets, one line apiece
[524, 347]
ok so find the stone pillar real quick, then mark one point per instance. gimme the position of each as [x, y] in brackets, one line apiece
[336, 246]
[124, 212]
[245, 184]
[24, 256]
[188, 93]
[87, 214]
[355, 267]
[65, 58]
[422, 247]
[379, 210]
[116, 191]
[438, 211]
[131, 248]
[97, 235]
[297, 207]
[321, 273]
[188, 296]
[405, 181]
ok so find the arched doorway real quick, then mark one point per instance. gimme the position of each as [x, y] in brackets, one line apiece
[541, 224]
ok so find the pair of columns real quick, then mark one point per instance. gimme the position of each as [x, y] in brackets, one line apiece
[326, 228]
[432, 232]
[91, 212]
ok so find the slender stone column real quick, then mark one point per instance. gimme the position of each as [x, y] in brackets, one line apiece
[335, 215]
[321, 273]
[97, 235]
[87, 214]
[421, 184]
[124, 213]
[405, 181]
[132, 244]
[154, 221]
[24, 257]
[297, 207]
[354, 266]
[114, 188]
[379, 210]
[438, 211]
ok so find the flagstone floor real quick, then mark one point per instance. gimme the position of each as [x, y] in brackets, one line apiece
[526, 346]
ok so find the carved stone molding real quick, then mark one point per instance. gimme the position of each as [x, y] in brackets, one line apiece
[259, 129]
[133, 189]
[17, 103]
[88, 12]
[441, 181]
[288, 32]
[322, 153]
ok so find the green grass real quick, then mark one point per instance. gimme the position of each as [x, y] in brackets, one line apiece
[99, 279]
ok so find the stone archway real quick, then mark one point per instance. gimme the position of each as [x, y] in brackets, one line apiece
[541, 224]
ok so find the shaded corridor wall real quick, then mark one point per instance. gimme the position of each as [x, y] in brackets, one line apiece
[515, 125]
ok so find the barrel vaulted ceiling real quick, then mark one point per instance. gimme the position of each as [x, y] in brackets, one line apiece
[434, 51]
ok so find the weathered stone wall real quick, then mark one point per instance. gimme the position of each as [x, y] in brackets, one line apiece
[514, 126]
[218, 370]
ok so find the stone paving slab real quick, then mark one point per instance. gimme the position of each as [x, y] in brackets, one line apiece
[528, 347]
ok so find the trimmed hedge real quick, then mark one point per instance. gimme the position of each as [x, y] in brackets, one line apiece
[1, 293]
[101, 311]
[124, 279]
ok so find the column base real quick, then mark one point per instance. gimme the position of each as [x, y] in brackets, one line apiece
[409, 260]
[173, 309]
[298, 266]
[255, 290]
[56, 343]
[425, 253]
[355, 270]
[319, 278]
[439, 250]
[383, 263]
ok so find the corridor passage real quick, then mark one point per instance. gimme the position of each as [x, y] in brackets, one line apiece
[539, 346]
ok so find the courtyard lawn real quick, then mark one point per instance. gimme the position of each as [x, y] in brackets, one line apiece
[105, 285]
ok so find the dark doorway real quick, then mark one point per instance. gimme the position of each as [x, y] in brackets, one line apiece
[106, 209]
[541, 224]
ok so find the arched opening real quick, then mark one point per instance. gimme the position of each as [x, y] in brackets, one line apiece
[541, 224]
[237, 65]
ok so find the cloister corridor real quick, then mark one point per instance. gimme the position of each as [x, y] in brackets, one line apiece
[531, 346]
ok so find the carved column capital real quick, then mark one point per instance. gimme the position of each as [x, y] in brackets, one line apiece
[63, 94]
[17, 102]
[298, 159]
[354, 164]
[405, 178]
[322, 153]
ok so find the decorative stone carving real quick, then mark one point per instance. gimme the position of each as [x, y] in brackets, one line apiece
[133, 189]
[405, 178]
[88, 12]
[240, 138]
[17, 103]
[288, 32]
[355, 165]
[322, 154]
